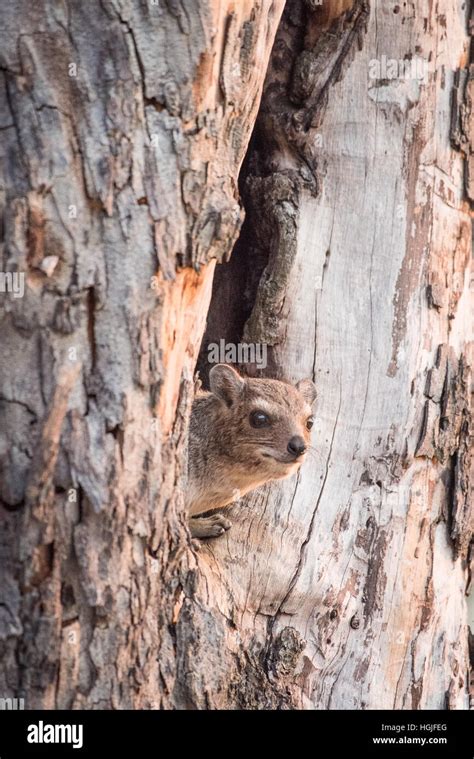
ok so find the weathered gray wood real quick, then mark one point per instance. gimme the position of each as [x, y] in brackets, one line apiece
[350, 582]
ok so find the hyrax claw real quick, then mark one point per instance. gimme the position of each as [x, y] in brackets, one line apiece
[209, 527]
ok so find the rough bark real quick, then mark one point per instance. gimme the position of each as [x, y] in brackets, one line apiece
[123, 127]
[344, 588]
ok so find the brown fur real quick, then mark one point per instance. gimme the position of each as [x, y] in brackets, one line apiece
[227, 457]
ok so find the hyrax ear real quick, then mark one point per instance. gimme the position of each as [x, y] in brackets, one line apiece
[307, 388]
[226, 383]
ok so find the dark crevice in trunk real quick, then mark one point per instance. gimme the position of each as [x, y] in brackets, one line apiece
[313, 47]
[236, 282]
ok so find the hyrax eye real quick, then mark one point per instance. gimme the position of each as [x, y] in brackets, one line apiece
[309, 422]
[259, 419]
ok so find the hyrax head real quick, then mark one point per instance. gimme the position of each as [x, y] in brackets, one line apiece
[267, 422]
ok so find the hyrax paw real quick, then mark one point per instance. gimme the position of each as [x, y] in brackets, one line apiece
[218, 520]
[218, 527]
[209, 527]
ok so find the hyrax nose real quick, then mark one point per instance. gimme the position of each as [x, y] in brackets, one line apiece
[296, 446]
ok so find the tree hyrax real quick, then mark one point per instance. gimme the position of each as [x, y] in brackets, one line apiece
[243, 433]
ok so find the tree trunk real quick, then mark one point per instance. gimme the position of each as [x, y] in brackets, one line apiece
[123, 138]
[123, 129]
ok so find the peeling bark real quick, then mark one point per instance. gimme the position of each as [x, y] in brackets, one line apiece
[123, 128]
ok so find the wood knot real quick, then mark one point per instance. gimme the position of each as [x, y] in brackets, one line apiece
[355, 622]
[285, 652]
